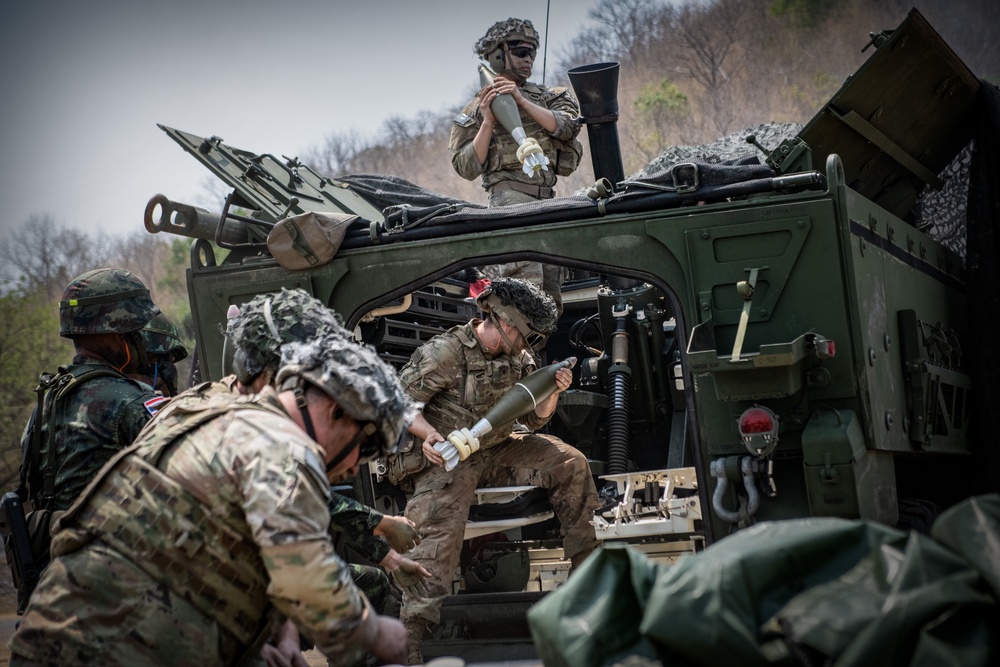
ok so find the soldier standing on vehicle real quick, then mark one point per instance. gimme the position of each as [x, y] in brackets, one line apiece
[459, 375]
[182, 547]
[89, 410]
[163, 350]
[482, 147]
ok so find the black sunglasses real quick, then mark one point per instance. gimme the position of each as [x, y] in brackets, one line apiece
[523, 52]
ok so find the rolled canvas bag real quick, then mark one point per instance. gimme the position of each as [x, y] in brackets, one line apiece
[309, 239]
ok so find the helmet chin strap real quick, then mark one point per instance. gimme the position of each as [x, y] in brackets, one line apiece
[336, 460]
[496, 323]
[338, 414]
[302, 405]
[128, 356]
[300, 402]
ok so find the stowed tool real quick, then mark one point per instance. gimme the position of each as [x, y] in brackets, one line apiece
[519, 400]
[746, 289]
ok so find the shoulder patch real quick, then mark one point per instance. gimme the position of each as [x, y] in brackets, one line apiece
[154, 404]
[464, 120]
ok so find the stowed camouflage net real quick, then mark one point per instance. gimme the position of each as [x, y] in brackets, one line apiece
[162, 338]
[352, 374]
[511, 30]
[537, 308]
[939, 213]
[105, 301]
[271, 320]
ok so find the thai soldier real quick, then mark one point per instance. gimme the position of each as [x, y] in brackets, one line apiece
[88, 410]
[458, 376]
[102, 312]
[218, 516]
[163, 350]
[481, 147]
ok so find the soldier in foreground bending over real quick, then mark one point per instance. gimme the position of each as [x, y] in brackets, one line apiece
[187, 541]
[258, 333]
[263, 326]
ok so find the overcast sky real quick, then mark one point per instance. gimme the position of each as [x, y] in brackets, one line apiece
[83, 84]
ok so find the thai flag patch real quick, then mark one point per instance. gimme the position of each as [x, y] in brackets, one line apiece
[154, 404]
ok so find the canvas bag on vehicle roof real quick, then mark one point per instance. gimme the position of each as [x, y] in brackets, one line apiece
[309, 239]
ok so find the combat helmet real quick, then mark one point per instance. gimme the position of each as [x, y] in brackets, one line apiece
[105, 301]
[522, 305]
[490, 46]
[162, 339]
[353, 375]
[269, 321]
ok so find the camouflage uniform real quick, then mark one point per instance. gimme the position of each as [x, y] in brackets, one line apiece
[103, 414]
[293, 315]
[93, 423]
[242, 514]
[502, 175]
[459, 382]
[163, 349]
[502, 165]
[358, 522]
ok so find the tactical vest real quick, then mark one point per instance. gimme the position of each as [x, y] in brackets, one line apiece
[564, 156]
[478, 389]
[53, 391]
[133, 507]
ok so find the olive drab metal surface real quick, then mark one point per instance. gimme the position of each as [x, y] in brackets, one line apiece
[900, 119]
[276, 187]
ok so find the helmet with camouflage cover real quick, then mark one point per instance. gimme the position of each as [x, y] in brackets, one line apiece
[105, 301]
[271, 320]
[162, 339]
[353, 375]
[522, 305]
[490, 46]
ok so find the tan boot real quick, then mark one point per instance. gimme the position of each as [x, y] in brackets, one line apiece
[414, 641]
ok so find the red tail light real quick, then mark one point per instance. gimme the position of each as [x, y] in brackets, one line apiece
[759, 430]
[758, 420]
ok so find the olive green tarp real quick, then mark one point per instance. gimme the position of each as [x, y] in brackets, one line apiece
[802, 592]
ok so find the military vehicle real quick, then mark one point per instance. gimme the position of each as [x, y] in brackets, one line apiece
[756, 342]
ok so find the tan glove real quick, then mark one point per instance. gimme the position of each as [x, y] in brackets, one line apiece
[408, 574]
[530, 146]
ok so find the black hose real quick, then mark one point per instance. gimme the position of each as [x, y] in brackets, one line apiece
[619, 386]
[618, 420]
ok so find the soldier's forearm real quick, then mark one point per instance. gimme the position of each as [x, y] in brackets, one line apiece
[542, 116]
[481, 142]
[350, 515]
[311, 586]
